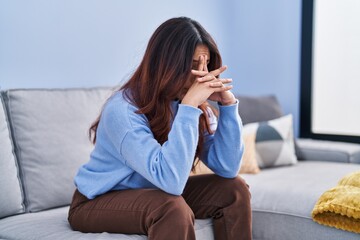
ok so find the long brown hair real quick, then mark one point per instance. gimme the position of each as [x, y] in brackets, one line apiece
[162, 73]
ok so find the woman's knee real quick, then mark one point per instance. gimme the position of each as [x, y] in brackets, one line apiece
[242, 186]
[173, 219]
[175, 210]
[237, 186]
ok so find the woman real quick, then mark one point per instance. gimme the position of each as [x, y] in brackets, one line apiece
[151, 134]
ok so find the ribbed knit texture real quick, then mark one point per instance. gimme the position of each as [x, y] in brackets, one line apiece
[339, 207]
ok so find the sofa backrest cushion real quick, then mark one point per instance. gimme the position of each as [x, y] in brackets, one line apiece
[50, 135]
[258, 108]
[11, 197]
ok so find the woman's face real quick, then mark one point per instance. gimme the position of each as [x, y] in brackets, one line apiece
[200, 50]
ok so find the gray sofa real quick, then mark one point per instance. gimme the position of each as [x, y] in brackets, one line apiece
[43, 141]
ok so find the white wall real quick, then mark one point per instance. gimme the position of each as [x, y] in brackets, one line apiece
[266, 50]
[84, 43]
[66, 43]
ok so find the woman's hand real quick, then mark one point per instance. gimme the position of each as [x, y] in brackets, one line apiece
[222, 94]
[207, 86]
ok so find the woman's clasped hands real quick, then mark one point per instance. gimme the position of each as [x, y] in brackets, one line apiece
[207, 86]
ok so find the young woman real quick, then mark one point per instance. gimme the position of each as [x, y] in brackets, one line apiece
[151, 134]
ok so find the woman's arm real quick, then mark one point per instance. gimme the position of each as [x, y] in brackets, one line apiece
[223, 150]
[166, 166]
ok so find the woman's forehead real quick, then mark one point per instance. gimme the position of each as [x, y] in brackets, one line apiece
[201, 50]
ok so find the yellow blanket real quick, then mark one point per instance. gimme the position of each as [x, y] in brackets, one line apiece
[339, 207]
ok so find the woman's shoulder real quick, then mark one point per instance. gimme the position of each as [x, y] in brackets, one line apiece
[119, 108]
[116, 103]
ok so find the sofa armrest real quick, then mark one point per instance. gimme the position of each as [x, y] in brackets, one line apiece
[320, 150]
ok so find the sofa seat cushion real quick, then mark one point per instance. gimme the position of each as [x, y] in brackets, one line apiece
[52, 225]
[11, 198]
[284, 197]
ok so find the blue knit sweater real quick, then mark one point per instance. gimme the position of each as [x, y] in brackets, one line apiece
[127, 156]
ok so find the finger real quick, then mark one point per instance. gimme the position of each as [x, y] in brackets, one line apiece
[216, 84]
[225, 80]
[205, 64]
[201, 63]
[223, 89]
[217, 72]
[211, 77]
[208, 77]
[220, 82]
[200, 73]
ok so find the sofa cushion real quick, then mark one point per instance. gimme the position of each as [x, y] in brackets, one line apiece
[258, 108]
[11, 200]
[330, 151]
[51, 141]
[274, 141]
[277, 226]
[286, 196]
[53, 225]
[248, 161]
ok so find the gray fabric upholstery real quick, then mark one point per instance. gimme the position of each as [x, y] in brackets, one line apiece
[53, 225]
[285, 197]
[320, 150]
[276, 226]
[11, 200]
[258, 109]
[50, 134]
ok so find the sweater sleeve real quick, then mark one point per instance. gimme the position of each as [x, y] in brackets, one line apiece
[166, 166]
[223, 150]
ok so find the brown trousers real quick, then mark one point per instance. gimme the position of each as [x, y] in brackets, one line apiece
[161, 215]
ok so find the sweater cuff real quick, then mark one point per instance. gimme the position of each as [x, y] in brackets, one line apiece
[188, 114]
[228, 107]
[229, 110]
